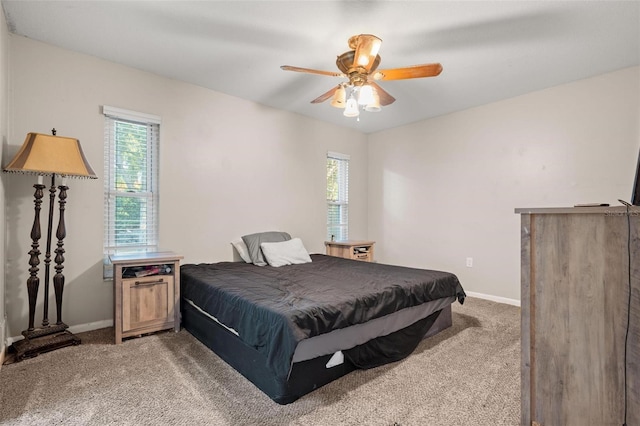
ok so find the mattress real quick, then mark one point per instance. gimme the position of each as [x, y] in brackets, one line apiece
[324, 303]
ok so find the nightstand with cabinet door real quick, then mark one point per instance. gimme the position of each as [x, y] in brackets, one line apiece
[351, 249]
[147, 293]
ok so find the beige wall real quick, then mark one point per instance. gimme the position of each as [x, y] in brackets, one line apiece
[4, 75]
[431, 194]
[228, 167]
[445, 189]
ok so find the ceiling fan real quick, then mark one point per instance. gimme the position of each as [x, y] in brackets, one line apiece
[360, 65]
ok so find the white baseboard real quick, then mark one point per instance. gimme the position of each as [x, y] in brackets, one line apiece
[90, 326]
[75, 329]
[498, 299]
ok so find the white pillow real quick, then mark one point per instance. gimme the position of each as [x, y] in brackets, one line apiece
[242, 249]
[290, 252]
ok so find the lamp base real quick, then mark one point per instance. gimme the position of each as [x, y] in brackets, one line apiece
[44, 331]
[30, 347]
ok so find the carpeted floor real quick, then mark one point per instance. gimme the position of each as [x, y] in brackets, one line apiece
[466, 375]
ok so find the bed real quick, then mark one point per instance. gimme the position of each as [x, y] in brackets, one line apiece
[294, 328]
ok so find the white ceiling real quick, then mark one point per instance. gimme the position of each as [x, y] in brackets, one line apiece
[490, 50]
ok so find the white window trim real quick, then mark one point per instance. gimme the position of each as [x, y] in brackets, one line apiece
[343, 157]
[125, 114]
[142, 118]
[338, 155]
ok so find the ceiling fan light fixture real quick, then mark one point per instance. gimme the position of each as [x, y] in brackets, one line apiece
[365, 94]
[366, 50]
[351, 110]
[339, 97]
[359, 66]
[374, 105]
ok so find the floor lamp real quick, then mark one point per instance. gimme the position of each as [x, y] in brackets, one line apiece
[54, 156]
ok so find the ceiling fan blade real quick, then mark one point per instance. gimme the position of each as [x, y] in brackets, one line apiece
[415, 71]
[325, 96]
[312, 71]
[366, 47]
[385, 97]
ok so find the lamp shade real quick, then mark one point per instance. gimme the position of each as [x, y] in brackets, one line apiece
[351, 110]
[374, 105]
[365, 97]
[48, 155]
[339, 97]
[367, 49]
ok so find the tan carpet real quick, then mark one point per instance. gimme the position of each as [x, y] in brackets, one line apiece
[467, 375]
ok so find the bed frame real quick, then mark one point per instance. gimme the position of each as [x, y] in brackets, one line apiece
[305, 376]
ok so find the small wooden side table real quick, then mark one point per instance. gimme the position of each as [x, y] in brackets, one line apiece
[147, 293]
[351, 249]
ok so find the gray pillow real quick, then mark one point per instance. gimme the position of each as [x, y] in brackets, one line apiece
[253, 242]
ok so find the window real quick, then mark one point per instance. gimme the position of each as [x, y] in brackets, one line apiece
[131, 143]
[337, 196]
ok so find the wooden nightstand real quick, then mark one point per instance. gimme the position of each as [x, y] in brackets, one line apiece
[351, 249]
[147, 293]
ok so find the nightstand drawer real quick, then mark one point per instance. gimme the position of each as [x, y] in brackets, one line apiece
[362, 256]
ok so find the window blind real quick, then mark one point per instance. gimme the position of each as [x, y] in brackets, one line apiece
[131, 195]
[337, 196]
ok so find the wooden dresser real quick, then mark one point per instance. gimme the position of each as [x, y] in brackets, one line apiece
[574, 291]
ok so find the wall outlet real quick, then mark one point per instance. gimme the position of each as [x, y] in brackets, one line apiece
[469, 262]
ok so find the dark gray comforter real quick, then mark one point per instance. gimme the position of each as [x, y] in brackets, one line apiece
[275, 308]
